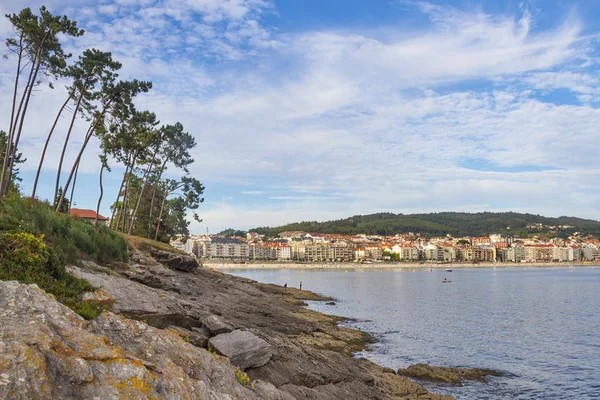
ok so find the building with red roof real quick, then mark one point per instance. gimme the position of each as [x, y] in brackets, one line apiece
[88, 215]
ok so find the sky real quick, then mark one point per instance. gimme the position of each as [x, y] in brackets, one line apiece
[320, 110]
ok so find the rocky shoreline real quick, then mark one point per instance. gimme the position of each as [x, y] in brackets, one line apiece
[177, 331]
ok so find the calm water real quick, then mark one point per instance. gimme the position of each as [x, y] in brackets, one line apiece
[540, 326]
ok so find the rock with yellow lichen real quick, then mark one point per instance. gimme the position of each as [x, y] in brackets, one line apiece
[49, 352]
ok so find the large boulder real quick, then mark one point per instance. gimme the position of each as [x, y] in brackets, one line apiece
[449, 375]
[180, 262]
[244, 349]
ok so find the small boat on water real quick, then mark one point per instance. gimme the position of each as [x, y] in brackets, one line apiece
[446, 281]
[448, 269]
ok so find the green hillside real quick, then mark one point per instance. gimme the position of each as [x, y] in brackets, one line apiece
[434, 224]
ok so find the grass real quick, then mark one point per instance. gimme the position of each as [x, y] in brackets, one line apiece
[25, 257]
[36, 243]
[72, 238]
[144, 244]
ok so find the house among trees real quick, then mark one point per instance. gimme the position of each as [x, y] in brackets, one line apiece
[88, 215]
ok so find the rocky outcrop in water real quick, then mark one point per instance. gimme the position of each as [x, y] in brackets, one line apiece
[156, 340]
[450, 375]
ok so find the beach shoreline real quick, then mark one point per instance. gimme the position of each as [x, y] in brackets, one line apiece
[224, 265]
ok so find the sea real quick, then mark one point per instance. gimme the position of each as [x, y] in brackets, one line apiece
[540, 327]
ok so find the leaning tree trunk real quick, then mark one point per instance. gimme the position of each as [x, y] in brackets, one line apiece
[100, 197]
[73, 188]
[162, 206]
[18, 133]
[64, 149]
[75, 166]
[123, 215]
[35, 67]
[162, 169]
[88, 136]
[16, 87]
[39, 170]
[139, 200]
[112, 217]
[12, 118]
[125, 195]
[11, 145]
[13, 142]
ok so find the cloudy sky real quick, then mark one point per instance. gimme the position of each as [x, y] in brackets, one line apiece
[318, 110]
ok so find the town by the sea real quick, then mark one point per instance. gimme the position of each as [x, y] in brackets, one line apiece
[538, 326]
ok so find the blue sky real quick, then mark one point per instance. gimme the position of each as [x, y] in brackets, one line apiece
[317, 110]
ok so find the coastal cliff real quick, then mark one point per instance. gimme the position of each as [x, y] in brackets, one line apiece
[176, 330]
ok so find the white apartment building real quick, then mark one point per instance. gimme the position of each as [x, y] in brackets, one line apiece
[230, 248]
[284, 253]
[408, 253]
[515, 253]
[270, 252]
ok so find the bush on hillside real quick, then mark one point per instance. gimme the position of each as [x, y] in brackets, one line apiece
[25, 257]
[36, 243]
[71, 238]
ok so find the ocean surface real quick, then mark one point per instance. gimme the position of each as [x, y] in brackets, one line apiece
[539, 326]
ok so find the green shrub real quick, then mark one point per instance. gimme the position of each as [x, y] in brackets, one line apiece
[22, 249]
[26, 258]
[71, 238]
[86, 309]
[36, 243]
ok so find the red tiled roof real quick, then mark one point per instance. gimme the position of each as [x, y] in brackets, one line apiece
[87, 214]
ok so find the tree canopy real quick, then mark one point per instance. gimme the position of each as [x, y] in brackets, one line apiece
[132, 141]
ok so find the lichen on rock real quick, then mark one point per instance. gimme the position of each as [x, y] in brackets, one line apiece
[50, 352]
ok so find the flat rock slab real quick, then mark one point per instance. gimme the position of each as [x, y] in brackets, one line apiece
[244, 349]
[162, 321]
[450, 375]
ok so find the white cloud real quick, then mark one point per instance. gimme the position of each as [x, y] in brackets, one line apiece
[464, 46]
[584, 84]
[326, 124]
[217, 28]
[108, 9]
[217, 10]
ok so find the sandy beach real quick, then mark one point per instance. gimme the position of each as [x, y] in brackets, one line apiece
[223, 265]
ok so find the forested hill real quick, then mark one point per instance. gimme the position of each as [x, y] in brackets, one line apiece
[454, 223]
